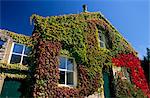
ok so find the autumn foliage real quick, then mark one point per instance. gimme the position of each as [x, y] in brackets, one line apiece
[47, 75]
[136, 72]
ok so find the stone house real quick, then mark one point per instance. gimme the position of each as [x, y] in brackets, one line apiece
[66, 56]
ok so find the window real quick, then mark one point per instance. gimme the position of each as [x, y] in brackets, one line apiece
[19, 54]
[101, 39]
[1, 43]
[126, 73]
[2, 49]
[67, 71]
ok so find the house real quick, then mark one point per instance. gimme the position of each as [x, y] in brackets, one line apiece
[71, 56]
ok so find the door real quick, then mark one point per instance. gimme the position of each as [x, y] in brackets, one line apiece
[11, 89]
[106, 84]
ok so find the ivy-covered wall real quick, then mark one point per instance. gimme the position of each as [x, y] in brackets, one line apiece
[18, 38]
[74, 35]
[78, 36]
[12, 70]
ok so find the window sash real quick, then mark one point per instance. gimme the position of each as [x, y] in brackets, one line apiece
[66, 81]
[15, 59]
[2, 43]
[70, 61]
[20, 54]
[70, 78]
[18, 48]
[66, 70]
[101, 38]
[102, 43]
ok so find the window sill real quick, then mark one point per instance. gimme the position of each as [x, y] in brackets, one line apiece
[63, 85]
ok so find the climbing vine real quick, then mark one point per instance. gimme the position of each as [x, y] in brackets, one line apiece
[78, 36]
[13, 70]
[46, 78]
[136, 72]
[18, 38]
[75, 36]
[125, 89]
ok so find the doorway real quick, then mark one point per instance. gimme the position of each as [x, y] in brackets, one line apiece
[109, 91]
[11, 88]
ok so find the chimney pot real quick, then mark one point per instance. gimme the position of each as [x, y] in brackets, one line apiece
[84, 8]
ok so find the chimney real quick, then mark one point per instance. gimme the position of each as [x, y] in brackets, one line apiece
[84, 8]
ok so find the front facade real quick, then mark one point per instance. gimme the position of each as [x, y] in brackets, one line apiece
[66, 56]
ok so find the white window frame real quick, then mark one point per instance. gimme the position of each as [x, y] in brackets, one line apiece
[21, 54]
[103, 37]
[74, 72]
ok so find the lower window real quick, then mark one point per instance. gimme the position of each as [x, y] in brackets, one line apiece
[67, 71]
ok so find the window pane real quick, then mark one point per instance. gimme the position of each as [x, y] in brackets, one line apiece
[101, 37]
[69, 78]
[102, 44]
[15, 59]
[18, 48]
[27, 50]
[70, 64]
[62, 77]
[62, 63]
[1, 43]
[25, 60]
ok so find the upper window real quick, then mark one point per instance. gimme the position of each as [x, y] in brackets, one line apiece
[2, 49]
[66, 68]
[1, 43]
[101, 39]
[19, 54]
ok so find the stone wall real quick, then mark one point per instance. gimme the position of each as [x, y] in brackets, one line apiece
[1, 83]
[96, 95]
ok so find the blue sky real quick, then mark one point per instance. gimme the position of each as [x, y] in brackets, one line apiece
[130, 17]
